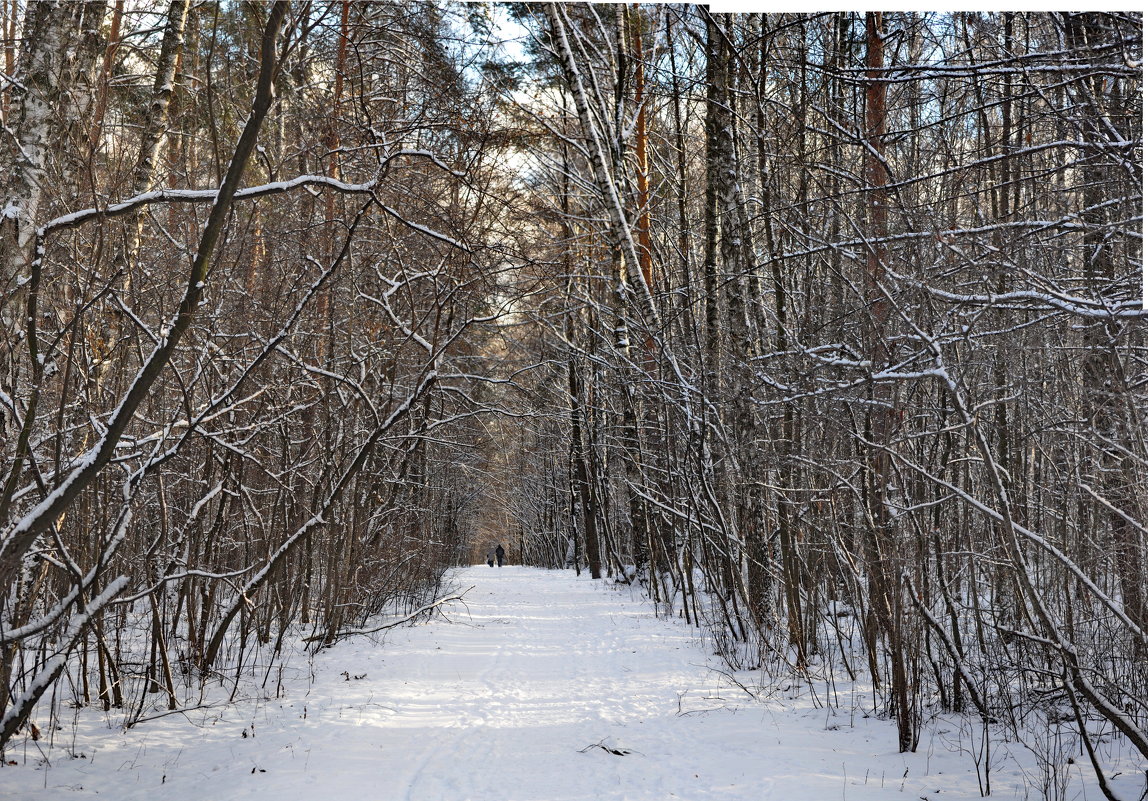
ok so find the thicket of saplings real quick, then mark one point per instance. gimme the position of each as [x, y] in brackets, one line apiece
[858, 383]
[823, 327]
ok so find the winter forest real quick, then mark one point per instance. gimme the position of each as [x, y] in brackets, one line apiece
[822, 333]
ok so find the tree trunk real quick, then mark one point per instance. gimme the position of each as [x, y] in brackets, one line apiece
[43, 103]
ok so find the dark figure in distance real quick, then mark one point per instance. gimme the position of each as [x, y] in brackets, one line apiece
[490, 558]
[500, 552]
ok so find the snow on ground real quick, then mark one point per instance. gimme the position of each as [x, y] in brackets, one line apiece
[543, 687]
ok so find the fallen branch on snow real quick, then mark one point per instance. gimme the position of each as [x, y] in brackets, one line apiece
[609, 749]
[338, 635]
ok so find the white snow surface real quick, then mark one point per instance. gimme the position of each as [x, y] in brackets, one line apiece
[541, 687]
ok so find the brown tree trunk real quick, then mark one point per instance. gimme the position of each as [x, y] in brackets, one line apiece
[587, 504]
[882, 548]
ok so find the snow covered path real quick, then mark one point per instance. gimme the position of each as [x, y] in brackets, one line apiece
[504, 702]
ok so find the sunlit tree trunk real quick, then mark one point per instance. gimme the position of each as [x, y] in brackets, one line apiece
[44, 103]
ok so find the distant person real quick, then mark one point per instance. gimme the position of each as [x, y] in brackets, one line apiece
[490, 558]
[500, 552]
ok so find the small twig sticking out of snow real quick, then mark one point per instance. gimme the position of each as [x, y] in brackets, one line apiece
[607, 748]
[733, 680]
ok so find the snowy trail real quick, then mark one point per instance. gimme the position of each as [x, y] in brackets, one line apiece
[504, 702]
[545, 667]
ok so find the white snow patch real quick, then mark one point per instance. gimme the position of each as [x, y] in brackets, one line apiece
[542, 686]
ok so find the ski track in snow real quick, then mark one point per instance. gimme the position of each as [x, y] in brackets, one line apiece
[505, 702]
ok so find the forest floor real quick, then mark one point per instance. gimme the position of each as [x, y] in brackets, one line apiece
[539, 686]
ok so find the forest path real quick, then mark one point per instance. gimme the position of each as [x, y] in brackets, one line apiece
[504, 701]
[511, 701]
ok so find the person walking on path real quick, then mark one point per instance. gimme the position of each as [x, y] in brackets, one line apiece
[500, 552]
[490, 558]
